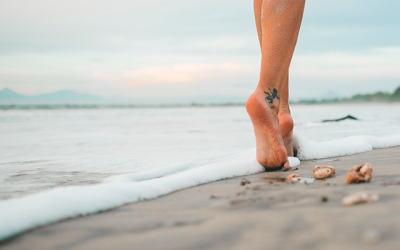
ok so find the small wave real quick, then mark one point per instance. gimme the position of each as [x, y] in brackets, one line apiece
[20, 214]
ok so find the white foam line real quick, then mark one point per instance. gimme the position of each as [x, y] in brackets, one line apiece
[154, 173]
[309, 150]
[18, 215]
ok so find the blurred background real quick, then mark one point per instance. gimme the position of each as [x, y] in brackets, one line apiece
[180, 51]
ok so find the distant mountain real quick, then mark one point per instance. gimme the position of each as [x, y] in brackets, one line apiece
[68, 97]
[8, 97]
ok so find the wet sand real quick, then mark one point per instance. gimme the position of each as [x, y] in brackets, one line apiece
[265, 214]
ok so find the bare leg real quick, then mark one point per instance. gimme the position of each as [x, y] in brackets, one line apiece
[285, 118]
[280, 22]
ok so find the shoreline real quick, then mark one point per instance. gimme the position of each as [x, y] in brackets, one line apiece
[90, 106]
[223, 214]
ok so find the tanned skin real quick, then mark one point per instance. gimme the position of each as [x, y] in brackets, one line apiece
[278, 23]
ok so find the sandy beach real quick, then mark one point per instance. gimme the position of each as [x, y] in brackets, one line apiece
[264, 214]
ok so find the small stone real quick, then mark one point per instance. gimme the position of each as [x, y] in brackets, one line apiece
[358, 174]
[360, 197]
[321, 172]
[324, 199]
[292, 178]
[244, 182]
[295, 178]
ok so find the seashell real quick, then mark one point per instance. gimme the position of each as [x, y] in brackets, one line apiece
[296, 178]
[321, 172]
[292, 178]
[361, 197]
[357, 174]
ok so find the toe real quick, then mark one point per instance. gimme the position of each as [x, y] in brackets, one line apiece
[286, 164]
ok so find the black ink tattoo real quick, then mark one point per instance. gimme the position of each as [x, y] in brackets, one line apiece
[271, 95]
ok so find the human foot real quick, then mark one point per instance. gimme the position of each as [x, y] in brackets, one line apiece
[286, 127]
[271, 151]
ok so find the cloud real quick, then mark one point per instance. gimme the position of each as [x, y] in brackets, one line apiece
[97, 45]
[377, 63]
[176, 74]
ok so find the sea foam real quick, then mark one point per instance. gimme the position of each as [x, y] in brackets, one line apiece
[308, 150]
[20, 214]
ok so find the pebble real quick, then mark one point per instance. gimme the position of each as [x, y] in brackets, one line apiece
[244, 182]
[292, 178]
[324, 199]
[360, 197]
[358, 174]
[321, 172]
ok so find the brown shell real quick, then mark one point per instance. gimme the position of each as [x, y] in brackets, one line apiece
[321, 172]
[360, 197]
[358, 174]
[291, 177]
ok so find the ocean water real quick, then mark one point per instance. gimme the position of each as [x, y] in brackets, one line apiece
[66, 162]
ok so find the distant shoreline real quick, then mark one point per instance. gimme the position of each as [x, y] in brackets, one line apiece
[378, 97]
[149, 106]
[116, 106]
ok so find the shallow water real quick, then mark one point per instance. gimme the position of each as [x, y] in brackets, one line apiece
[158, 150]
[43, 149]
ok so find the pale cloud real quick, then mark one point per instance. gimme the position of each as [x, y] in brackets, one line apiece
[376, 63]
[228, 43]
[176, 74]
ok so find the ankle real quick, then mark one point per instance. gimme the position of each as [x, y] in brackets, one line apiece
[258, 100]
[284, 109]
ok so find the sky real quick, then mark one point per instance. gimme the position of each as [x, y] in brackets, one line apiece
[186, 50]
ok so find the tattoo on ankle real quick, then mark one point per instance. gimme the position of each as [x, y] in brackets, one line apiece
[271, 95]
